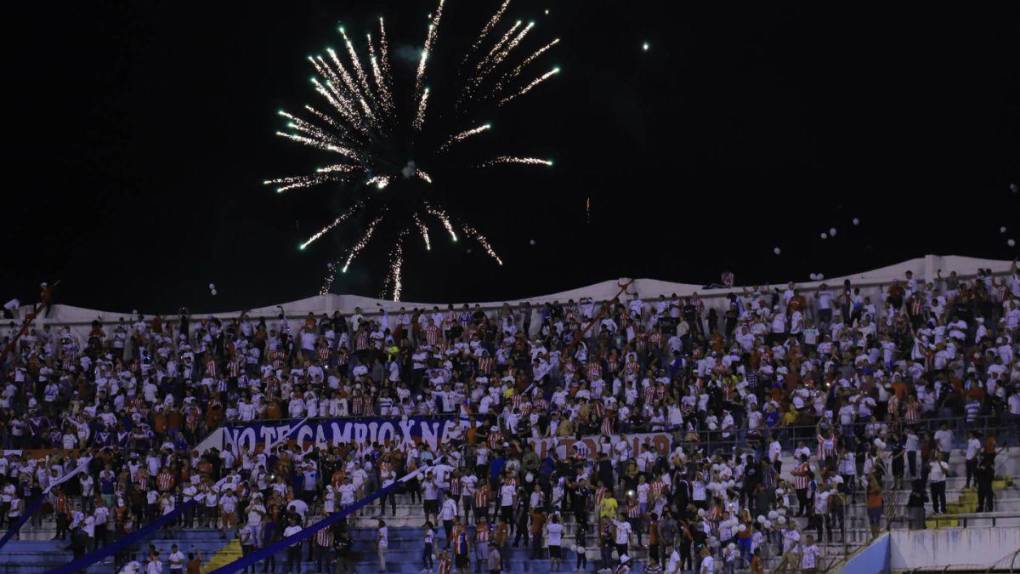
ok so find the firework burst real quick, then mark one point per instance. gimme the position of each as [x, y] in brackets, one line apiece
[388, 142]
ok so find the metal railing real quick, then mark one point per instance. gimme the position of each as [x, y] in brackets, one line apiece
[961, 519]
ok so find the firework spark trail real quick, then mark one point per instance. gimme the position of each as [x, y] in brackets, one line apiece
[501, 56]
[341, 105]
[358, 70]
[499, 46]
[483, 68]
[419, 117]
[464, 135]
[380, 81]
[330, 76]
[379, 181]
[430, 40]
[324, 146]
[325, 118]
[486, 30]
[516, 72]
[483, 241]
[298, 182]
[424, 230]
[424, 59]
[345, 76]
[515, 160]
[444, 219]
[423, 175]
[337, 168]
[529, 87]
[384, 50]
[327, 281]
[340, 219]
[352, 54]
[337, 73]
[393, 280]
[360, 245]
[311, 130]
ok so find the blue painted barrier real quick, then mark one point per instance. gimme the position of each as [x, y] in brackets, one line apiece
[32, 508]
[110, 549]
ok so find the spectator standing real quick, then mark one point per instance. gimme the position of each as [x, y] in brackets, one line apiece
[383, 544]
[429, 549]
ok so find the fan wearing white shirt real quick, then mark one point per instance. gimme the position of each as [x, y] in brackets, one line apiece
[973, 449]
[707, 562]
[294, 550]
[176, 560]
[809, 556]
[468, 486]
[447, 514]
[622, 537]
[937, 472]
[554, 538]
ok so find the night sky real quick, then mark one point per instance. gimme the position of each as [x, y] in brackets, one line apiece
[142, 132]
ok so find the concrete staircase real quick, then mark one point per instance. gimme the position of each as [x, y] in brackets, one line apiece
[39, 556]
[36, 553]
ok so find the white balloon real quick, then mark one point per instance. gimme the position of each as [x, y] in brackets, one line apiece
[1002, 229]
[857, 221]
[777, 251]
[832, 231]
[212, 286]
[213, 292]
[824, 235]
[532, 242]
[821, 276]
[1011, 243]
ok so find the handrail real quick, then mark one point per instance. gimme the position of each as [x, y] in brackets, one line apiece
[961, 517]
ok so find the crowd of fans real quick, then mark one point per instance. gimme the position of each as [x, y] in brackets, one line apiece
[862, 391]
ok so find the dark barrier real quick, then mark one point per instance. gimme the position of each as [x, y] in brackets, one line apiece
[309, 532]
[110, 549]
[32, 508]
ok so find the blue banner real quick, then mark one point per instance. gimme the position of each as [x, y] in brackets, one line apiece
[32, 508]
[257, 435]
[130, 540]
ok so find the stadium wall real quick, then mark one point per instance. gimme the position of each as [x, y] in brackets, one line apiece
[871, 283]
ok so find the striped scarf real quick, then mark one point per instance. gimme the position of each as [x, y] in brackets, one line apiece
[482, 496]
[486, 364]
